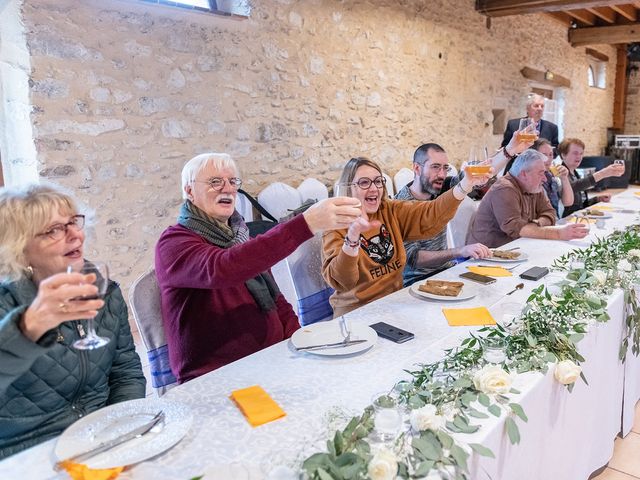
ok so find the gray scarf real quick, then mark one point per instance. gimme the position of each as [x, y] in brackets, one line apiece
[263, 287]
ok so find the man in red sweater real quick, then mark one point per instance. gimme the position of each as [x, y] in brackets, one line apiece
[219, 300]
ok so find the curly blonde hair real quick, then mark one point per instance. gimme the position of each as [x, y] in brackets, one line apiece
[24, 212]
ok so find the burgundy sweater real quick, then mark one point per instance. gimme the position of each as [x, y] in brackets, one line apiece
[210, 318]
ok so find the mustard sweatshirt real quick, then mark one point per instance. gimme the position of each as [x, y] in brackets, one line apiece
[377, 270]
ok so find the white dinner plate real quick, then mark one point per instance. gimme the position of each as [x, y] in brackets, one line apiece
[329, 332]
[468, 291]
[115, 420]
[523, 256]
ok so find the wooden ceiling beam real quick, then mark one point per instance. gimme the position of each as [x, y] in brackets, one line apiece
[561, 17]
[546, 78]
[501, 8]
[605, 13]
[584, 16]
[596, 54]
[627, 11]
[608, 35]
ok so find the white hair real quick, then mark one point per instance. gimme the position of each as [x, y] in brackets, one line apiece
[193, 167]
[533, 97]
[525, 160]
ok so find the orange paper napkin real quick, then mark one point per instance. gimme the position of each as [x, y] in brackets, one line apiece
[466, 317]
[491, 271]
[78, 471]
[256, 405]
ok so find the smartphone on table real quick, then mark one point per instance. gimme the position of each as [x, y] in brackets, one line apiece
[476, 277]
[392, 333]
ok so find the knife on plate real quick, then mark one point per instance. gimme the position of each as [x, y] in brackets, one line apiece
[331, 345]
[109, 444]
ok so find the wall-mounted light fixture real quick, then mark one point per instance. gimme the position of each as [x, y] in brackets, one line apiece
[548, 75]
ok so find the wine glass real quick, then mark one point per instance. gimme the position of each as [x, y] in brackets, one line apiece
[478, 161]
[527, 129]
[92, 340]
[344, 190]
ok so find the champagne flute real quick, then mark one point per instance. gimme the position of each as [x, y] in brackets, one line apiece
[92, 340]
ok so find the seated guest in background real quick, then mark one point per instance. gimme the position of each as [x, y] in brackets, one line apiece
[219, 300]
[557, 185]
[517, 206]
[571, 151]
[45, 383]
[366, 261]
[430, 168]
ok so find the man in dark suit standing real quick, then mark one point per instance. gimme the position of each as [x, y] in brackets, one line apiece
[546, 129]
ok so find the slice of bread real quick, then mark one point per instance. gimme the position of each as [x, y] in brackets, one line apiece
[441, 288]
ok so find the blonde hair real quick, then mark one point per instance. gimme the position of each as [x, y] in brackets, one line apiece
[218, 161]
[24, 212]
[349, 172]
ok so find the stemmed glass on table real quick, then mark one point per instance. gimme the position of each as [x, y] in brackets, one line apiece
[92, 340]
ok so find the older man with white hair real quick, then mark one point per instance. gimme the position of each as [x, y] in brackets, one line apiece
[517, 206]
[545, 128]
[219, 300]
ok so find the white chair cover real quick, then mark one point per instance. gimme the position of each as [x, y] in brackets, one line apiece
[313, 189]
[279, 199]
[453, 172]
[144, 298]
[312, 293]
[458, 227]
[390, 190]
[404, 176]
[244, 207]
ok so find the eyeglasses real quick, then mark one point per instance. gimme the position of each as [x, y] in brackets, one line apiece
[365, 183]
[217, 183]
[59, 230]
[436, 167]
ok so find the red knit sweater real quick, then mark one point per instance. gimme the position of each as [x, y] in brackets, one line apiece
[210, 318]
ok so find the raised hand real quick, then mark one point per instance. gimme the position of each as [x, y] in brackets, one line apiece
[53, 303]
[332, 213]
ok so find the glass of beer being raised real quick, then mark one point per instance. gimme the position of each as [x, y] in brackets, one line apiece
[478, 163]
[527, 130]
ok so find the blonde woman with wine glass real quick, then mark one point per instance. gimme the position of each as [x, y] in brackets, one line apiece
[45, 383]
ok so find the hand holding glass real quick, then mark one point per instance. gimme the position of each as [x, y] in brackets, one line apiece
[527, 130]
[478, 162]
[92, 340]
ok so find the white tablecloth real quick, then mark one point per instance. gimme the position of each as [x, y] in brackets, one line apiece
[568, 435]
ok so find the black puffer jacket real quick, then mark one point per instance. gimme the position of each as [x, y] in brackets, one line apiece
[46, 386]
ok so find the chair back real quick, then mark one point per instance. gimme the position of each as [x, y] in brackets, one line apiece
[312, 292]
[404, 176]
[313, 189]
[453, 171]
[389, 184]
[279, 199]
[458, 226]
[144, 298]
[244, 207]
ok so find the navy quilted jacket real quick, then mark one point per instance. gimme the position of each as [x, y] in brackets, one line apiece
[46, 386]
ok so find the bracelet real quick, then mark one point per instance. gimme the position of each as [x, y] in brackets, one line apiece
[506, 154]
[351, 244]
[463, 190]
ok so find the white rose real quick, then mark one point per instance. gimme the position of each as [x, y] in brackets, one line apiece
[567, 372]
[634, 252]
[600, 276]
[492, 379]
[426, 418]
[383, 466]
[624, 265]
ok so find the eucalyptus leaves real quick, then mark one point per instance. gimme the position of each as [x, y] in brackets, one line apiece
[447, 399]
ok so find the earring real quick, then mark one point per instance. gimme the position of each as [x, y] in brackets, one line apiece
[29, 271]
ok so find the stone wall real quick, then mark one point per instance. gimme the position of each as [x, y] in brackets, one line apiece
[124, 93]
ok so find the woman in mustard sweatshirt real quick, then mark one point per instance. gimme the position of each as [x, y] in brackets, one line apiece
[365, 262]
